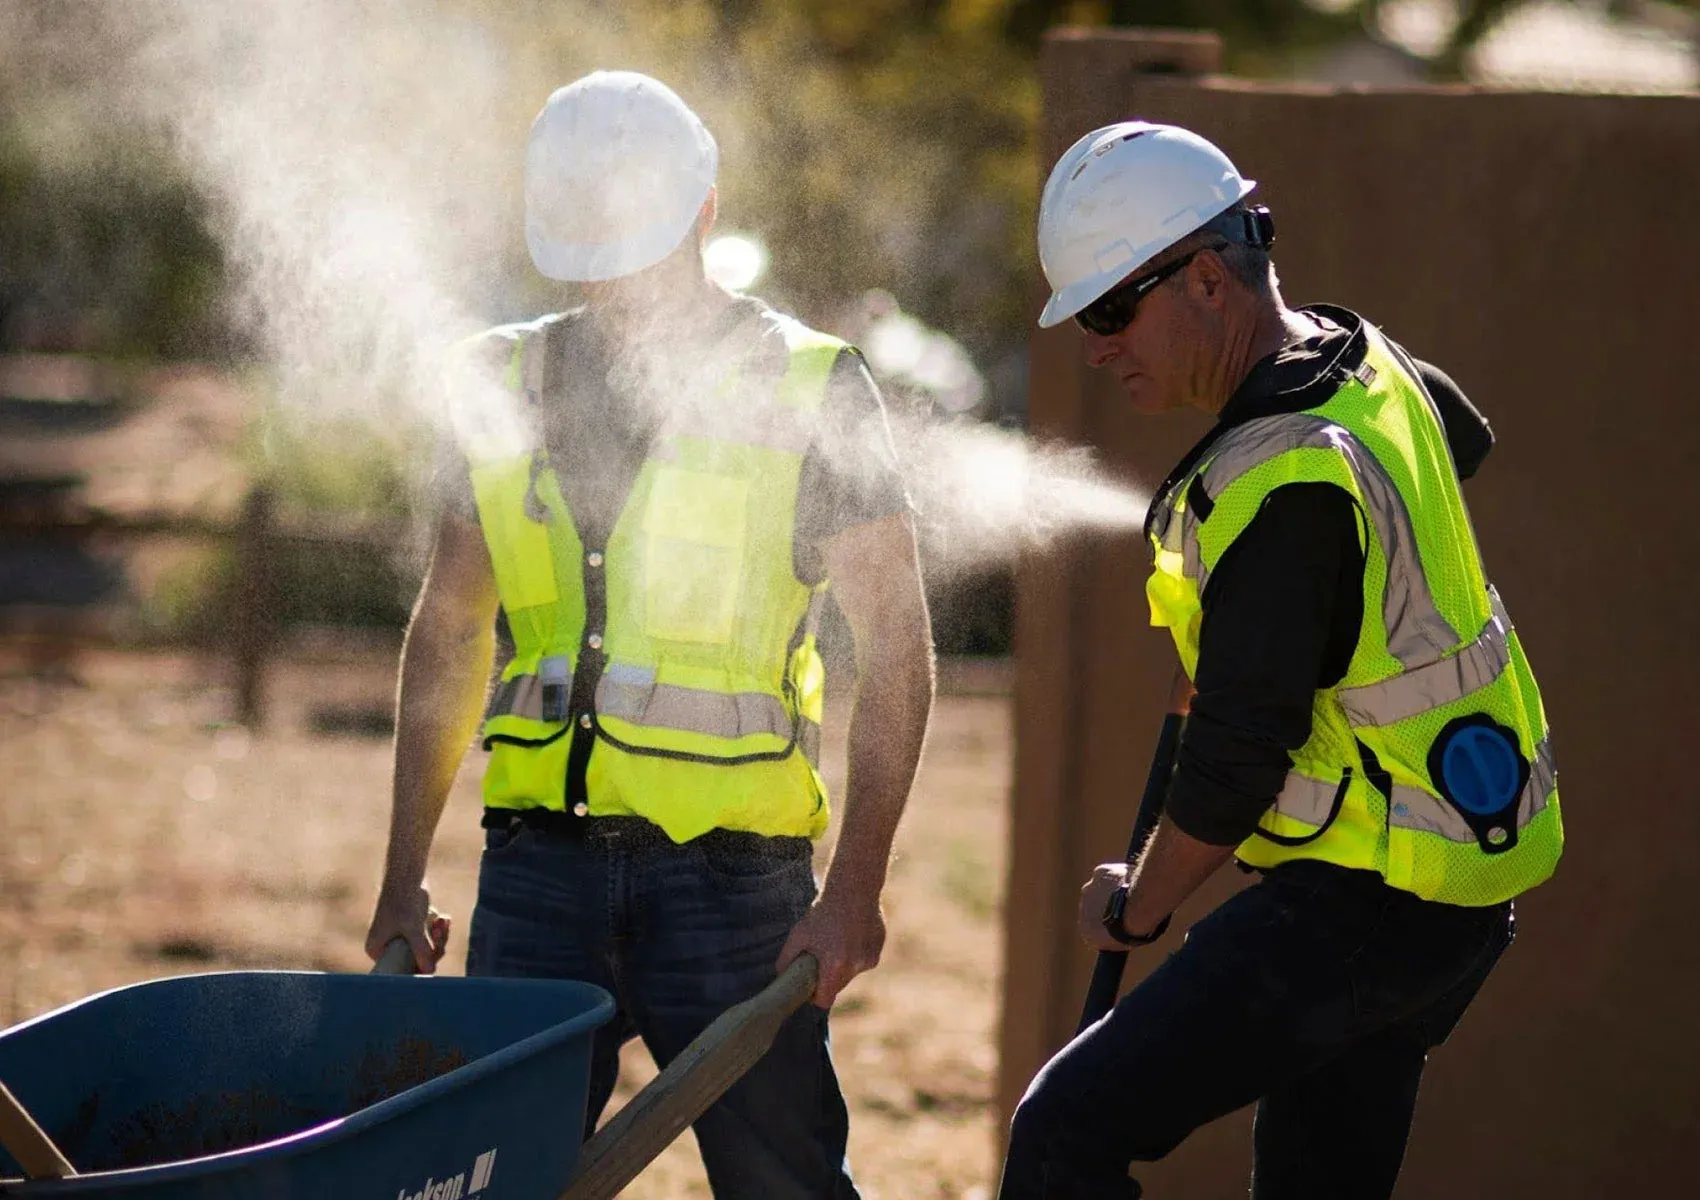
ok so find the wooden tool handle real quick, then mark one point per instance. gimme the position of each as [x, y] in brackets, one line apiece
[25, 1141]
[697, 1078]
[397, 958]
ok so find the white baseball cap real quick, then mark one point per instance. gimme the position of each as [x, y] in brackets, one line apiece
[616, 170]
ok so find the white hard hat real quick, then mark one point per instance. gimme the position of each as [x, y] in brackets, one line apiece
[616, 170]
[1120, 196]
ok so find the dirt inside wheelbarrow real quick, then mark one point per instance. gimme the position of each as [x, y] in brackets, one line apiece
[231, 1120]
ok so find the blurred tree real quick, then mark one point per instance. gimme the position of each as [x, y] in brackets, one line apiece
[891, 143]
[872, 143]
[114, 260]
[884, 144]
[102, 243]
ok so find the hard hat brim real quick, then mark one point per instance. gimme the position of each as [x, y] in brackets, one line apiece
[590, 262]
[1065, 303]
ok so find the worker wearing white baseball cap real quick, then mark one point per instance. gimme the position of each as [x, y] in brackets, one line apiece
[1365, 733]
[661, 556]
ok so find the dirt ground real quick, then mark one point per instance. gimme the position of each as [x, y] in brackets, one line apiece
[142, 835]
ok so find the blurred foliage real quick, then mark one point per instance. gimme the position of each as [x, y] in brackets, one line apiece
[344, 466]
[185, 603]
[330, 469]
[327, 585]
[117, 260]
[314, 584]
[872, 143]
[883, 144]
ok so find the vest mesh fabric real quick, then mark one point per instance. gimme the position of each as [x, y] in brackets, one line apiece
[1426, 601]
[708, 687]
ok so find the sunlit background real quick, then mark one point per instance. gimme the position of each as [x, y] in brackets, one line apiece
[235, 241]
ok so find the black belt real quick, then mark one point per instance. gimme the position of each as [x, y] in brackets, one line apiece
[636, 832]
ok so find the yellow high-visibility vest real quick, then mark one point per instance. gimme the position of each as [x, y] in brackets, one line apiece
[1430, 762]
[708, 687]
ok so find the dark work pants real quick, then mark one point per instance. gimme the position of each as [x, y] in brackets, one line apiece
[678, 934]
[1316, 993]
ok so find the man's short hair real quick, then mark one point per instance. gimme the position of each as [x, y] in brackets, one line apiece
[1250, 264]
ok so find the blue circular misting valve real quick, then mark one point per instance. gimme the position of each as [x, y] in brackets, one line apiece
[1482, 769]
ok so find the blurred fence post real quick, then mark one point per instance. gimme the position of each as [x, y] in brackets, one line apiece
[1058, 830]
[255, 618]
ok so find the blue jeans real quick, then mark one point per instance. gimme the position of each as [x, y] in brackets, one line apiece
[677, 934]
[1316, 993]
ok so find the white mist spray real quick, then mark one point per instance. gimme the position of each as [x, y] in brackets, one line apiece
[348, 155]
[983, 495]
[362, 161]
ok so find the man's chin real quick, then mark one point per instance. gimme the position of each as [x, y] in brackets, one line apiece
[1143, 396]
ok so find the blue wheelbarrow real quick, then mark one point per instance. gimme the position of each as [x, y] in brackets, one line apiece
[283, 1085]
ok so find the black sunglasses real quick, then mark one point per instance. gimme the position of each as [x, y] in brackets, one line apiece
[1110, 313]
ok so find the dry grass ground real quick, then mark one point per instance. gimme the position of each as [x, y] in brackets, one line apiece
[141, 836]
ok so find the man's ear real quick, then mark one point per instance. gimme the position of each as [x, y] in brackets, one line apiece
[1209, 275]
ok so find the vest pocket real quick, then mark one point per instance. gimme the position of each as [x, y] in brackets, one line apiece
[694, 526]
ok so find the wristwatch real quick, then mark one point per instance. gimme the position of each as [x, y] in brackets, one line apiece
[1113, 911]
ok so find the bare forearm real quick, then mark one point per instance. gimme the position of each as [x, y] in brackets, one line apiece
[1172, 868]
[888, 724]
[438, 703]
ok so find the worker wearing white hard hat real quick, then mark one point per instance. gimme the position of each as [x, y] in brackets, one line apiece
[659, 552]
[1361, 727]
[617, 171]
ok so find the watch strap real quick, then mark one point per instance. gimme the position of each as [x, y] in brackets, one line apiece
[1113, 912]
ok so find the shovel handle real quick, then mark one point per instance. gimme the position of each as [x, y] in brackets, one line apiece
[1107, 972]
[25, 1141]
[694, 1080]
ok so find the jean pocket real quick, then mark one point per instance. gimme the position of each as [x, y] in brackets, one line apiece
[742, 870]
[1437, 1024]
[507, 839]
[1426, 965]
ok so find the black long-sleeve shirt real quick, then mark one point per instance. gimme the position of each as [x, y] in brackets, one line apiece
[1282, 608]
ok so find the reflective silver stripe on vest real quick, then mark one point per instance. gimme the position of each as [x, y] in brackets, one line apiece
[1421, 689]
[1169, 536]
[630, 693]
[1178, 534]
[1192, 555]
[1413, 808]
[1543, 778]
[1417, 633]
[521, 696]
[1307, 799]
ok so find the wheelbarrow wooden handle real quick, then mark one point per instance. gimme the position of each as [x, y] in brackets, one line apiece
[397, 958]
[25, 1141]
[694, 1080]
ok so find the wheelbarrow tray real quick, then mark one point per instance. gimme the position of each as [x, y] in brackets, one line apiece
[285, 1085]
